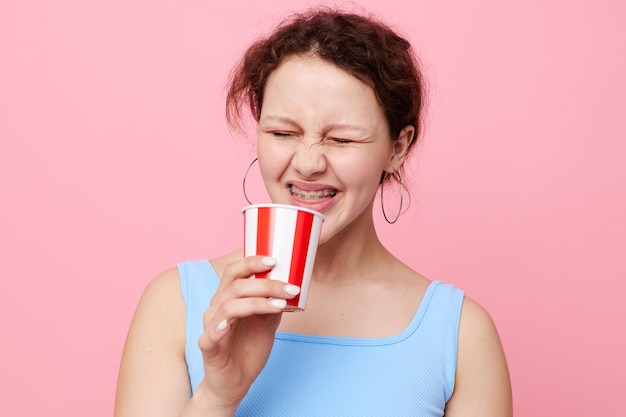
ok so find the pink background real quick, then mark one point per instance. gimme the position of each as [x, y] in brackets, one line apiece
[115, 163]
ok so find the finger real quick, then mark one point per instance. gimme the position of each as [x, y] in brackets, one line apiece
[248, 288]
[269, 288]
[246, 267]
[220, 320]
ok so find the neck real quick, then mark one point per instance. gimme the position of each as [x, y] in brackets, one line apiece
[351, 253]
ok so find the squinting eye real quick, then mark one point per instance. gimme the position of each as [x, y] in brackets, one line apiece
[341, 141]
[281, 134]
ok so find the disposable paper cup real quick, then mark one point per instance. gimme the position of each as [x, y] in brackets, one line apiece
[290, 234]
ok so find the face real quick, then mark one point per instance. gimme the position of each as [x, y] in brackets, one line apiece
[323, 142]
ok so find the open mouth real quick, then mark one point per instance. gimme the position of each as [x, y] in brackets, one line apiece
[311, 194]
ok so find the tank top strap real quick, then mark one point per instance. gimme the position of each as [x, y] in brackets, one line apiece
[198, 282]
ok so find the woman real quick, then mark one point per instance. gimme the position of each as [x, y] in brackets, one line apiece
[337, 98]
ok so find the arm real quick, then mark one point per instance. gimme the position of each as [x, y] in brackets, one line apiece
[482, 387]
[153, 379]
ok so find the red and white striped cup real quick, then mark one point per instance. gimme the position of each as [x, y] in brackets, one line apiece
[290, 234]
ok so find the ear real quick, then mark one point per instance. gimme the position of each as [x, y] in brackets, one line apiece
[400, 148]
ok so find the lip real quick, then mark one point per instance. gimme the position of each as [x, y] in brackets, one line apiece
[321, 204]
[310, 186]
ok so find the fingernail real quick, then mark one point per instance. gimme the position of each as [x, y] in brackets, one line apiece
[221, 325]
[292, 289]
[268, 261]
[278, 303]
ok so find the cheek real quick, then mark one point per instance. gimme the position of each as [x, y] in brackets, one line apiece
[272, 161]
[364, 172]
[268, 170]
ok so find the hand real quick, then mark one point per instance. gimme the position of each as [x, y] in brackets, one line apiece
[239, 329]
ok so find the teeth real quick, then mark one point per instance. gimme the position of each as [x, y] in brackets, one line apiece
[311, 194]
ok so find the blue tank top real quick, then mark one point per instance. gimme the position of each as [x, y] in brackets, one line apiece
[408, 374]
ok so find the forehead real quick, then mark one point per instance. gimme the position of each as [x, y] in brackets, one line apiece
[303, 82]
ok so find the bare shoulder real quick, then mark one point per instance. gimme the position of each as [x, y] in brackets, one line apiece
[162, 301]
[164, 285]
[478, 337]
[160, 314]
[476, 320]
[155, 352]
[482, 386]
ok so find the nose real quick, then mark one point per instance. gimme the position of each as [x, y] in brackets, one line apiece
[309, 159]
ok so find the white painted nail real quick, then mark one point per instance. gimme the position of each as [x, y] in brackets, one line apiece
[268, 261]
[221, 325]
[278, 303]
[292, 289]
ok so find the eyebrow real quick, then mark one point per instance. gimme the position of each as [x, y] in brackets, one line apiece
[332, 126]
[283, 119]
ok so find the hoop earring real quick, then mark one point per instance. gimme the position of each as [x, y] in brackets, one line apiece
[245, 177]
[382, 199]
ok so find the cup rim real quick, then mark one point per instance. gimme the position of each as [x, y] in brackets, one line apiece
[287, 206]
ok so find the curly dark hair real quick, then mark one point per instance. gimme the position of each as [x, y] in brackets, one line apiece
[363, 46]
